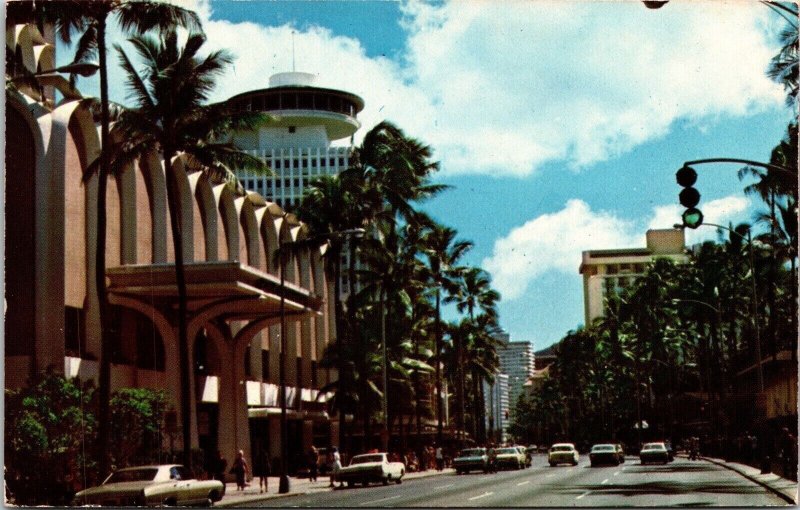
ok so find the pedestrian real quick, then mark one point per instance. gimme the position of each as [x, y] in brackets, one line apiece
[336, 466]
[218, 465]
[788, 448]
[439, 458]
[491, 455]
[262, 469]
[313, 459]
[240, 469]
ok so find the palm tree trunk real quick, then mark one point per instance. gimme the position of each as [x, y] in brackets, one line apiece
[438, 357]
[180, 280]
[104, 377]
[338, 324]
[461, 388]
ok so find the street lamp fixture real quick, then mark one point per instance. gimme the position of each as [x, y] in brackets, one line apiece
[283, 485]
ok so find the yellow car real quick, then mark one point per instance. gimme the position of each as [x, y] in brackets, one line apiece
[157, 485]
[563, 453]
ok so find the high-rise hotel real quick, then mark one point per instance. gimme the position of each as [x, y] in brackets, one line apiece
[298, 143]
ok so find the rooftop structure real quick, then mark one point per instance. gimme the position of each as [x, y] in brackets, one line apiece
[297, 143]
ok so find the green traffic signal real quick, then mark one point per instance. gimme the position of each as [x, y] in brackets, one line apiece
[692, 218]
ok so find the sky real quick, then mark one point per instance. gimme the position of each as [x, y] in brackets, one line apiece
[558, 124]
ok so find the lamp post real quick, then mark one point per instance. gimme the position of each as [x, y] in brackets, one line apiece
[283, 486]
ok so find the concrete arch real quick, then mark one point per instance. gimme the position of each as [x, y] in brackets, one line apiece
[204, 196]
[270, 225]
[230, 221]
[152, 170]
[198, 221]
[249, 225]
[45, 55]
[180, 169]
[26, 38]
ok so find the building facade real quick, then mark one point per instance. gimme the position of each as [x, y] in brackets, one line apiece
[497, 407]
[516, 361]
[235, 291]
[609, 271]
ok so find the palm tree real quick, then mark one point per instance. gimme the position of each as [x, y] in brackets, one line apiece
[332, 205]
[171, 114]
[91, 19]
[443, 252]
[473, 292]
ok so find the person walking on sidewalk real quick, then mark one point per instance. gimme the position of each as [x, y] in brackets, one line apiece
[439, 458]
[240, 469]
[217, 467]
[313, 459]
[336, 466]
[262, 469]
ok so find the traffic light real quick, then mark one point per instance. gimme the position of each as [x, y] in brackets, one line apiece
[689, 197]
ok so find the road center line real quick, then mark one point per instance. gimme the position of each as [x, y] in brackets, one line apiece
[604, 481]
[481, 496]
[444, 486]
[377, 500]
[583, 495]
[523, 483]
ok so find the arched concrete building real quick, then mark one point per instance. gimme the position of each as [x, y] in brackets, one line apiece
[233, 279]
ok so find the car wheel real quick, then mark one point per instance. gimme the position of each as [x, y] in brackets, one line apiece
[350, 484]
[458, 471]
[386, 480]
[364, 483]
[399, 481]
[215, 496]
[574, 462]
[170, 502]
[552, 464]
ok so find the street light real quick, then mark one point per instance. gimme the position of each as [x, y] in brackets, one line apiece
[283, 485]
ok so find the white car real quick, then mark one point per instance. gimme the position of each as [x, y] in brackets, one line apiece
[372, 467]
[563, 453]
[511, 457]
[156, 485]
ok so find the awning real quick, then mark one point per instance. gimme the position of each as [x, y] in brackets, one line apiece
[292, 414]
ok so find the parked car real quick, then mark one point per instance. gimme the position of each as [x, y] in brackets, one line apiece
[620, 452]
[604, 454]
[510, 456]
[561, 453]
[471, 459]
[654, 452]
[372, 467]
[156, 485]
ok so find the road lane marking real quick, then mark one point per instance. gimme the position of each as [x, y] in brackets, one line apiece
[444, 486]
[481, 496]
[551, 474]
[583, 495]
[523, 483]
[604, 481]
[378, 500]
[615, 474]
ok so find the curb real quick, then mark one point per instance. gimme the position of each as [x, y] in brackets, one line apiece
[775, 491]
[258, 498]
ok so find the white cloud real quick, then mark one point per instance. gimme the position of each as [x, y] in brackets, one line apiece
[503, 87]
[554, 241]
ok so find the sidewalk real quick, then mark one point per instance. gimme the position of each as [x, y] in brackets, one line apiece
[783, 488]
[297, 487]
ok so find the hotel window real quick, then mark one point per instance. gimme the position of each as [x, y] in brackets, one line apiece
[74, 331]
[277, 165]
[306, 101]
[273, 102]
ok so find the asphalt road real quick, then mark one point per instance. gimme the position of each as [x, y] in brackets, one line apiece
[680, 483]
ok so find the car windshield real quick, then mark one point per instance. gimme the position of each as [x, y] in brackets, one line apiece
[472, 452]
[507, 450]
[603, 448]
[561, 449]
[654, 446]
[363, 459]
[133, 475]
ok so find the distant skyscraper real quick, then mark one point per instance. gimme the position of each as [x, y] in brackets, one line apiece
[497, 406]
[517, 361]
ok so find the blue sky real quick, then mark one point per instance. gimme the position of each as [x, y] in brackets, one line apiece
[559, 124]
